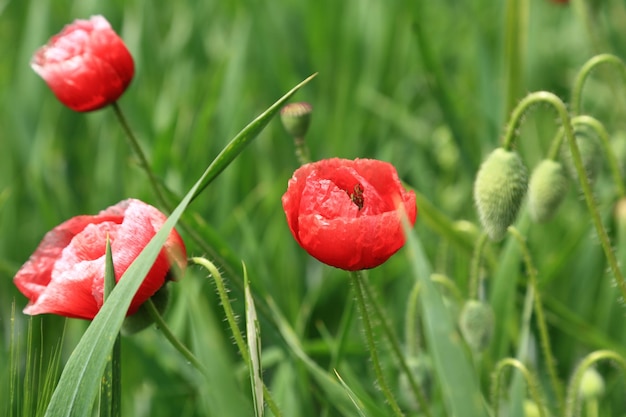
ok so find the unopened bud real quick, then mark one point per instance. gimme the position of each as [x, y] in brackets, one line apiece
[591, 385]
[499, 189]
[546, 190]
[296, 118]
[590, 155]
[476, 323]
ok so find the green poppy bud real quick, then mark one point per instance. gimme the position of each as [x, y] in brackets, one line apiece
[499, 189]
[142, 319]
[590, 154]
[546, 190]
[296, 118]
[531, 409]
[476, 323]
[591, 385]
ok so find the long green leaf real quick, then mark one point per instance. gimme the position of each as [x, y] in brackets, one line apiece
[79, 381]
[458, 381]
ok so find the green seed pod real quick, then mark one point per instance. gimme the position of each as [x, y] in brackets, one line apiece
[142, 319]
[591, 385]
[499, 189]
[531, 409]
[590, 154]
[476, 323]
[546, 190]
[296, 118]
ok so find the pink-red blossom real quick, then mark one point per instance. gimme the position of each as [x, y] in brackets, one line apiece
[65, 274]
[87, 65]
[347, 213]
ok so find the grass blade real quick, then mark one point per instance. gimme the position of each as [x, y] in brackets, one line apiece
[79, 381]
[253, 335]
[453, 368]
[110, 387]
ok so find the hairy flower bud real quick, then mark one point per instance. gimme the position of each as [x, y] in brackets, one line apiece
[296, 118]
[476, 323]
[546, 190]
[590, 154]
[591, 385]
[499, 189]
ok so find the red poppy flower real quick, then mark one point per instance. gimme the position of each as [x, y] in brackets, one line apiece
[347, 214]
[87, 66]
[65, 275]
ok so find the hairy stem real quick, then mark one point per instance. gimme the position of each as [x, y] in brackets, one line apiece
[571, 402]
[232, 322]
[357, 283]
[546, 348]
[531, 381]
[557, 103]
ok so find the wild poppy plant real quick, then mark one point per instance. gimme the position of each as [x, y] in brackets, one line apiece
[65, 275]
[347, 213]
[87, 65]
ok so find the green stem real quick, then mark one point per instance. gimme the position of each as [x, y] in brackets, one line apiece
[232, 322]
[584, 72]
[510, 134]
[395, 345]
[412, 340]
[357, 284]
[475, 266]
[571, 402]
[143, 161]
[514, 49]
[603, 135]
[302, 151]
[171, 337]
[599, 129]
[546, 348]
[531, 381]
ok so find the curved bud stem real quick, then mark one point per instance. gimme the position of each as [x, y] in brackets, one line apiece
[557, 103]
[572, 390]
[232, 322]
[584, 72]
[531, 381]
[557, 386]
[599, 129]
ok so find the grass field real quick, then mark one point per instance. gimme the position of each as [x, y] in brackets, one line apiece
[427, 86]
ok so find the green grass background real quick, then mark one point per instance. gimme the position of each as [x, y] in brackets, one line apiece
[204, 69]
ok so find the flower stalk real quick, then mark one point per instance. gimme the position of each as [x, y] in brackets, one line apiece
[544, 337]
[559, 106]
[531, 381]
[232, 322]
[143, 161]
[358, 286]
[571, 403]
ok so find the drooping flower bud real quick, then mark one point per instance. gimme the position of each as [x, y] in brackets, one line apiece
[591, 385]
[296, 118]
[531, 409]
[476, 323]
[546, 190]
[590, 154]
[499, 189]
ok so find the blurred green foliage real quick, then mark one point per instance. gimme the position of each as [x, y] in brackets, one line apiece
[203, 71]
